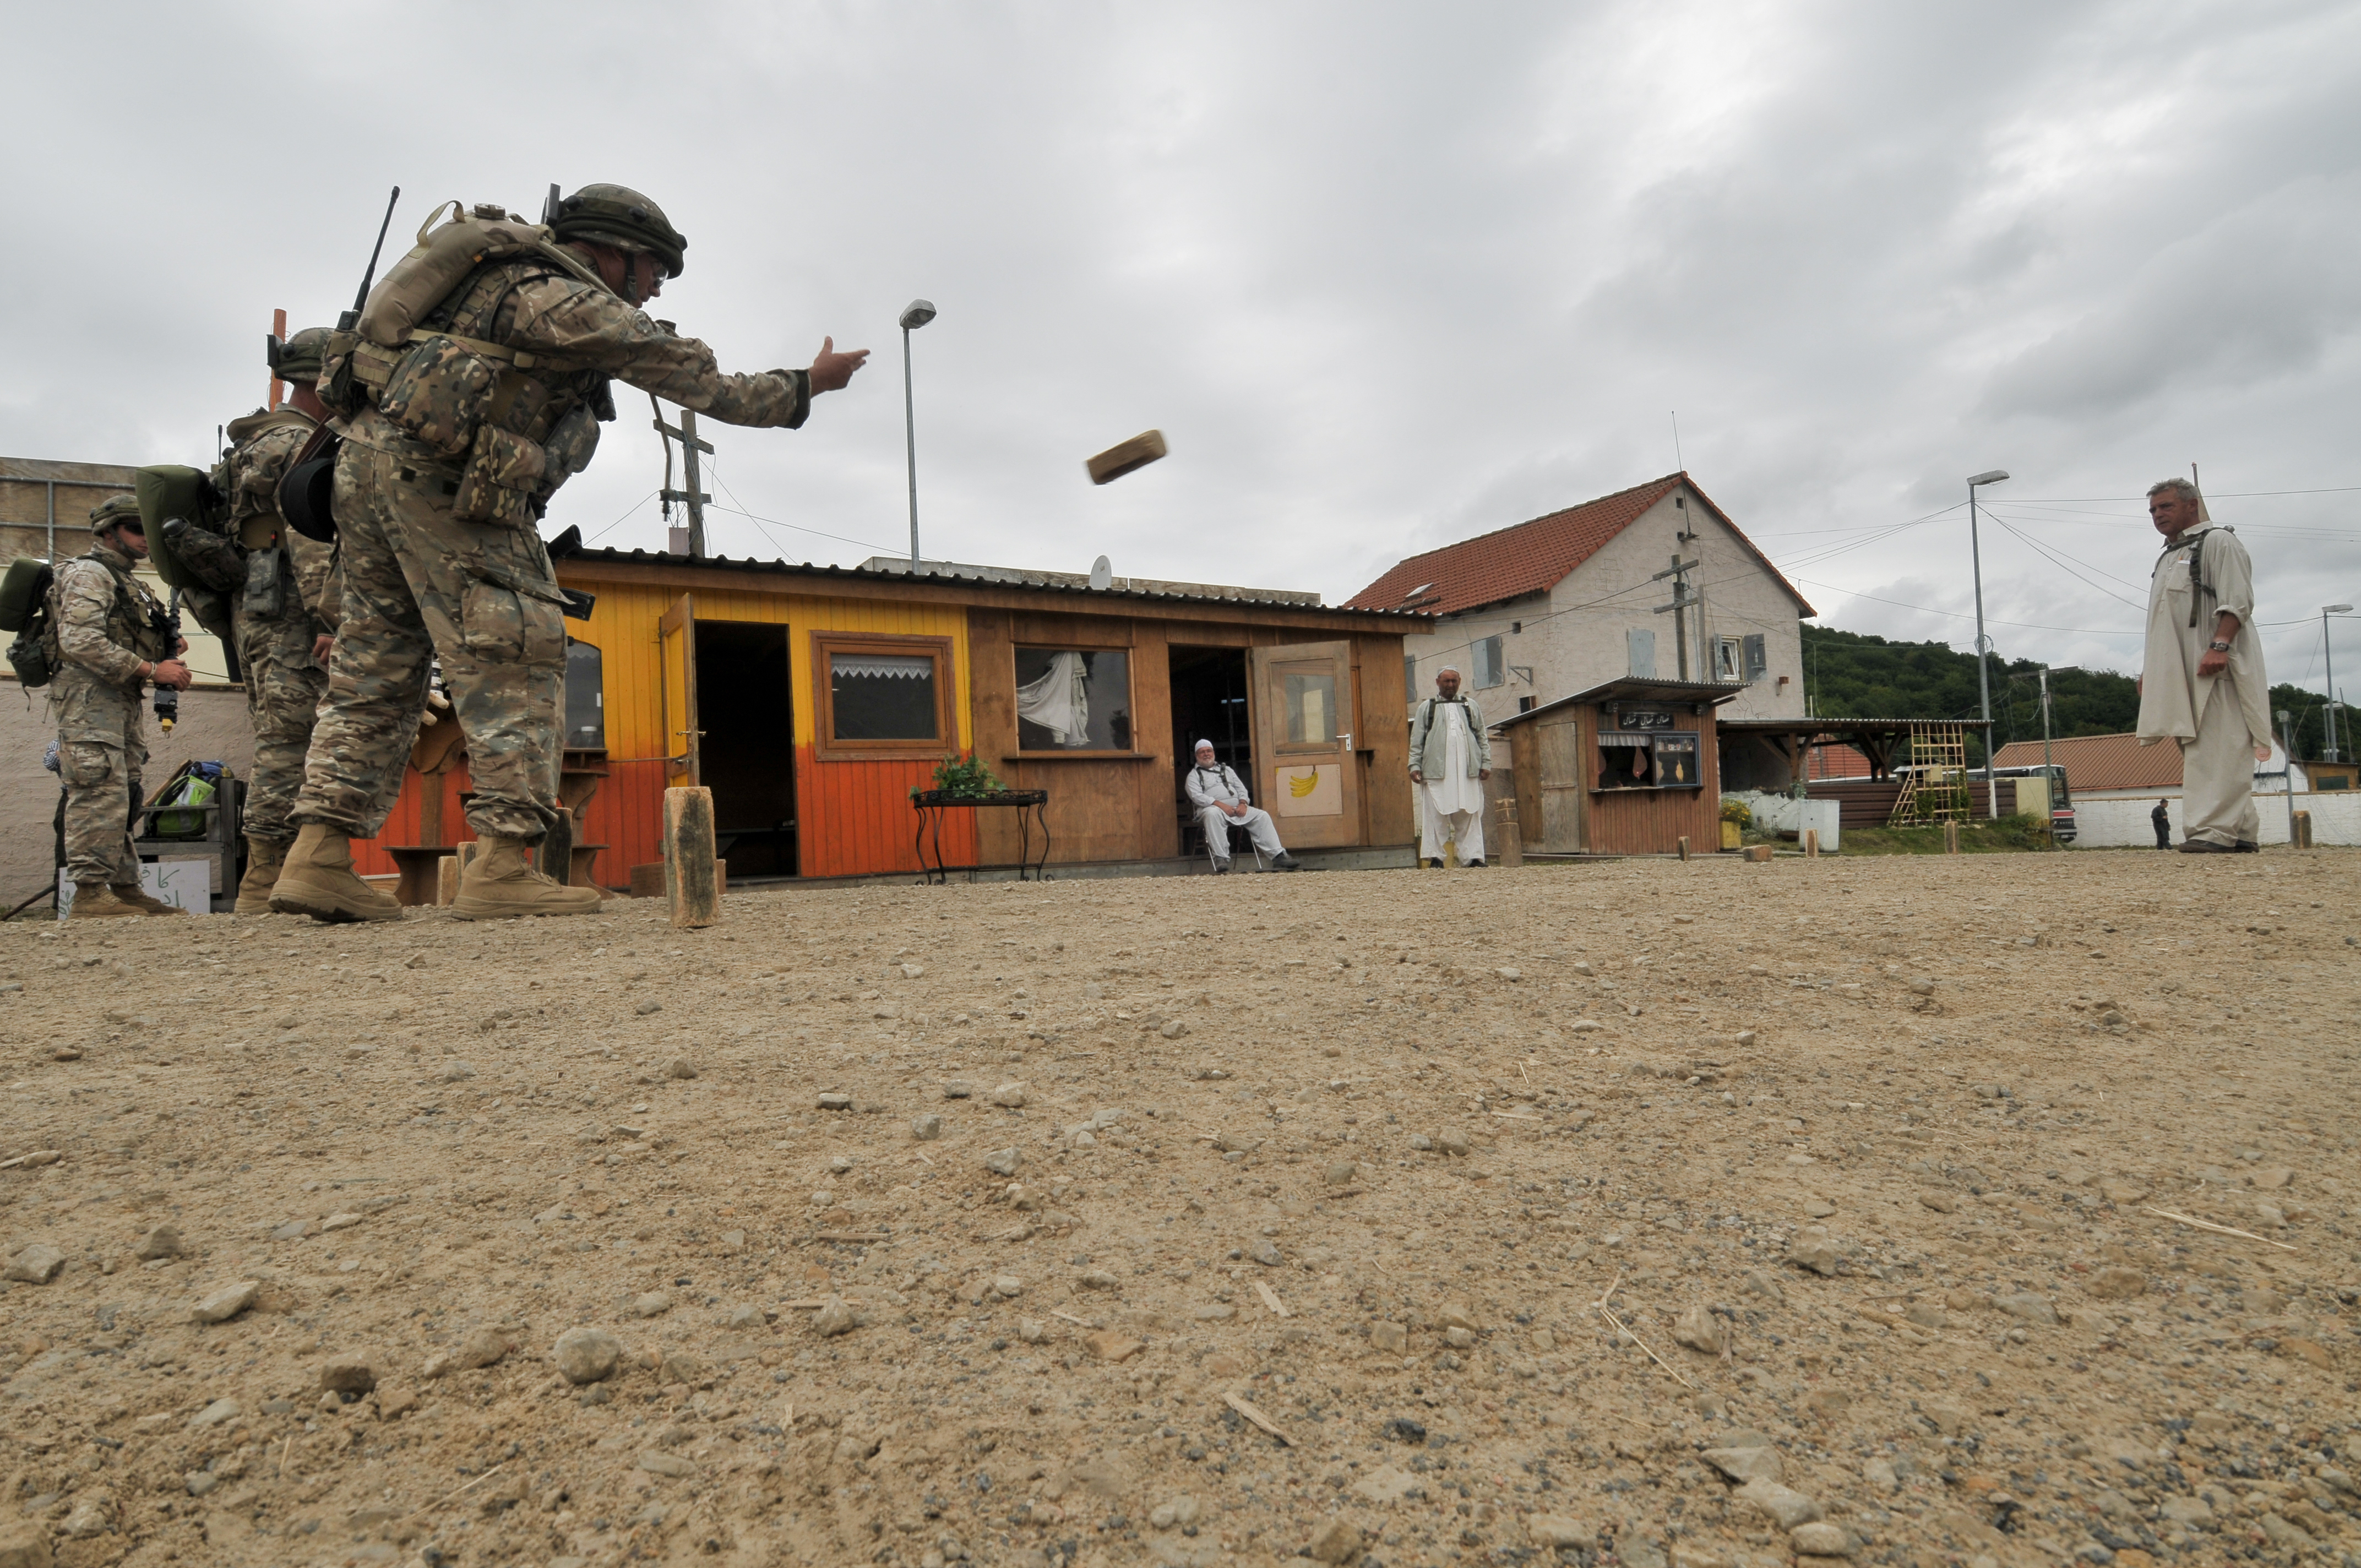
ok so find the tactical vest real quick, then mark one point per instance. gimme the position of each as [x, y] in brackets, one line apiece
[514, 429]
[136, 619]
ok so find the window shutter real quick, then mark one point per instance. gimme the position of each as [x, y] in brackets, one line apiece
[1757, 662]
[1409, 675]
[1642, 647]
[1488, 662]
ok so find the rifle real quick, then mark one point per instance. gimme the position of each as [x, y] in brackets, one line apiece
[168, 699]
[350, 319]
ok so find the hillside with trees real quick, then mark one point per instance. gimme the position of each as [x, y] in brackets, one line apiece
[1848, 674]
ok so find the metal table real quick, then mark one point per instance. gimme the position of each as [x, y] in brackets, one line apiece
[930, 805]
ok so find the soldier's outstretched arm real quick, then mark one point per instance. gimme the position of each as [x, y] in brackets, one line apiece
[570, 323]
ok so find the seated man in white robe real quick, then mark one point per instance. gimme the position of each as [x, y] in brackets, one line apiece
[1221, 799]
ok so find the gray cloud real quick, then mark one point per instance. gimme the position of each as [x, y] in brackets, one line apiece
[1386, 275]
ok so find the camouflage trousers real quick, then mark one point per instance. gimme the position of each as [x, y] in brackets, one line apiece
[283, 688]
[421, 584]
[102, 746]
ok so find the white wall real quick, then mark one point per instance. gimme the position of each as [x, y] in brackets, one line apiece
[1573, 636]
[2120, 824]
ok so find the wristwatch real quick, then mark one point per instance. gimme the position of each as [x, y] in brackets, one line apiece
[2219, 646]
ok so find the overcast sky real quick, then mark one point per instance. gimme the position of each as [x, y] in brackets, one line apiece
[1386, 275]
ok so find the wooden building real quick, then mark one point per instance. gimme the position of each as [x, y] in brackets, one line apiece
[1628, 768]
[812, 700]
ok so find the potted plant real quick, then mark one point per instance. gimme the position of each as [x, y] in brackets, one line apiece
[963, 778]
[1736, 817]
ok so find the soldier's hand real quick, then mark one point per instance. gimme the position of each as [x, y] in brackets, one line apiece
[831, 371]
[183, 647]
[320, 646]
[171, 672]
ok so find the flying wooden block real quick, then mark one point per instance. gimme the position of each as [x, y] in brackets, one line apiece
[691, 886]
[1116, 461]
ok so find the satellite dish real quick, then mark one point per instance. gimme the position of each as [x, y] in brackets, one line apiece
[1102, 573]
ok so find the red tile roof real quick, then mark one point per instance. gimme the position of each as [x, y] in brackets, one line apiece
[2100, 762]
[1533, 557]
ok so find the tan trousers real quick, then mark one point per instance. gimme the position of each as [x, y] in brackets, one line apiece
[2217, 775]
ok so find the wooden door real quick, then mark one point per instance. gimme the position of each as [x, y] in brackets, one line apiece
[1564, 784]
[676, 640]
[1299, 696]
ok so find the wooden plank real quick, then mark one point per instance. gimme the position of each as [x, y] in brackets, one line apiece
[1126, 456]
[690, 885]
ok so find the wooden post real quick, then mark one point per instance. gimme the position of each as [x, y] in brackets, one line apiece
[1684, 844]
[447, 879]
[1511, 836]
[1950, 837]
[1757, 854]
[691, 878]
[554, 859]
[2302, 837]
[1811, 843]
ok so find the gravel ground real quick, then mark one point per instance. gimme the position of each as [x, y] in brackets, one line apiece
[1646, 1212]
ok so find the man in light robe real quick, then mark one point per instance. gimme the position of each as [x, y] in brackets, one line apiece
[1449, 760]
[2202, 682]
[1219, 798]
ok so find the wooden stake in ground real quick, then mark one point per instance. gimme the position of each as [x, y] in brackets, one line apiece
[1508, 836]
[692, 886]
[1950, 837]
[1811, 843]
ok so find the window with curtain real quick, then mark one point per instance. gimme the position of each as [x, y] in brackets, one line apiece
[883, 697]
[1073, 699]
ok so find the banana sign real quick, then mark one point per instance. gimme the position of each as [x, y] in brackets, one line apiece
[1315, 789]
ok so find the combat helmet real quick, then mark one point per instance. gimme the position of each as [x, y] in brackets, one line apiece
[123, 509]
[297, 359]
[621, 216]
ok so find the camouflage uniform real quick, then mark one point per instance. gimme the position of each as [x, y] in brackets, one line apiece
[285, 600]
[108, 625]
[421, 580]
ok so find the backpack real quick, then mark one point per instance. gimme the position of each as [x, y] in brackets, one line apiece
[25, 610]
[194, 784]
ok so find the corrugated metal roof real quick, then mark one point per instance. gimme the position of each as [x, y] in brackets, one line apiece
[2100, 762]
[1534, 556]
[1710, 693]
[560, 549]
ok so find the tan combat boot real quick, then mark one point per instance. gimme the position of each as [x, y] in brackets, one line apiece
[263, 859]
[499, 882]
[132, 894]
[316, 878]
[97, 901]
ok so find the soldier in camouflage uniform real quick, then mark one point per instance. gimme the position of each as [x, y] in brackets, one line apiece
[113, 638]
[283, 611]
[444, 470]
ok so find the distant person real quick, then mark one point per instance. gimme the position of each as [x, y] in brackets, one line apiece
[114, 637]
[2162, 820]
[2202, 683]
[1220, 798]
[1449, 761]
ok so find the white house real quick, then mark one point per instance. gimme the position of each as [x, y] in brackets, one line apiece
[1570, 601]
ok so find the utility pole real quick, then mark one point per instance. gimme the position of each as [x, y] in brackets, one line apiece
[1678, 570]
[1984, 643]
[694, 498]
[2286, 777]
[2329, 654]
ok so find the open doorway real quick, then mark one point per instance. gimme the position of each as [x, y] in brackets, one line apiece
[747, 754]
[1209, 703]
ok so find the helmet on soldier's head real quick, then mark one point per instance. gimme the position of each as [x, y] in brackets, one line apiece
[116, 511]
[298, 359]
[621, 216]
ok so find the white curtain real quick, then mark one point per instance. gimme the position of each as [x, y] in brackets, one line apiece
[1060, 701]
[891, 666]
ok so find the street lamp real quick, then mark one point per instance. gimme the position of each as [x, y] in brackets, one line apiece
[2326, 652]
[1983, 677]
[916, 314]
